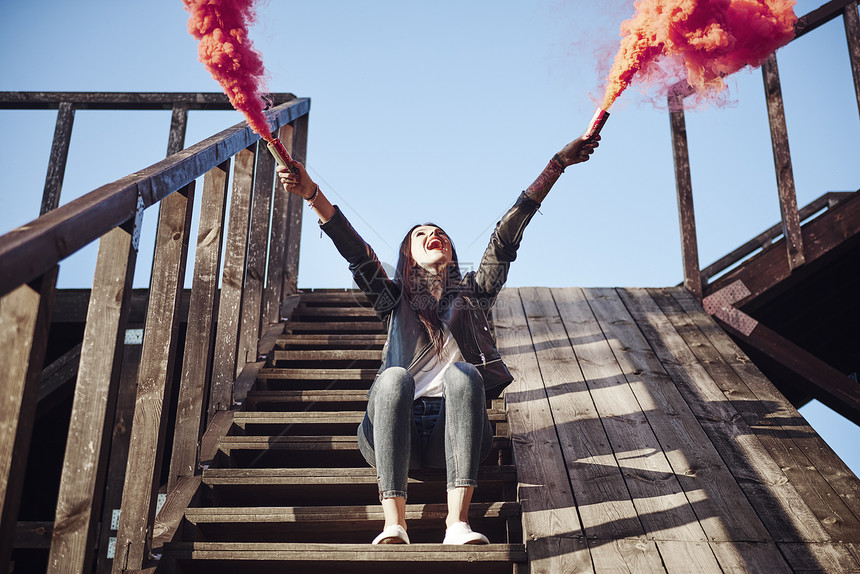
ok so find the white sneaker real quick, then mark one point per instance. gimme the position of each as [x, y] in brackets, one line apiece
[461, 533]
[394, 534]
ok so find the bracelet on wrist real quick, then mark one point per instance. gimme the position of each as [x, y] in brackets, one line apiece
[313, 197]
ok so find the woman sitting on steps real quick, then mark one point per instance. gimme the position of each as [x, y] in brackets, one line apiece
[427, 406]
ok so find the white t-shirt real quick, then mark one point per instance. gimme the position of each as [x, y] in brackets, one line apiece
[429, 381]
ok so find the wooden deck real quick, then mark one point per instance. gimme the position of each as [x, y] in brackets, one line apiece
[646, 441]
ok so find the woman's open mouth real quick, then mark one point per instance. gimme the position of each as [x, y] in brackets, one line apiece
[434, 243]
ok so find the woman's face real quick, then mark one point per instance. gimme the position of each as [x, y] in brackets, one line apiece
[431, 248]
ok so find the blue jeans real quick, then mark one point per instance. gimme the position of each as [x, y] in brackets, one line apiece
[451, 432]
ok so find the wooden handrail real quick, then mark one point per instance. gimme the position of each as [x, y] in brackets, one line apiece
[30, 250]
[124, 100]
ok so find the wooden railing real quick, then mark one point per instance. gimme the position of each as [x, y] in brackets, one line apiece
[693, 277]
[260, 264]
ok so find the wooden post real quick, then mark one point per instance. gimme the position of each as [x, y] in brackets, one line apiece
[852, 35]
[255, 265]
[294, 215]
[83, 473]
[684, 188]
[24, 320]
[782, 164]
[59, 155]
[230, 300]
[155, 376]
[178, 125]
[199, 335]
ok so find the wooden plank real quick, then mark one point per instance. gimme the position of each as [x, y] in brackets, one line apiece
[33, 534]
[273, 294]
[155, 378]
[782, 164]
[30, 250]
[200, 331]
[771, 422]
[255, 263]
[329, 475]
[551, 528]
[56, 382]
[769, 268]
[125, 100]
[660, 502]
[59, 155]
[232, 279]
[819, 557]
[317, 374]
[603, 499]
[269, 338]
[852, 33]
[336, 326]
[218, 428]
[698, 466]
[820, 16]
[246, 380]
[813, 447]
[178, 127]
[749, 557]
[172, 512]
[683, 556]
[298, 149]
[331, 341]
[308, 312]
[329, 355]
[24, 321]
[120, 438]
[684, 192]
[766, 487]
[625, 555]
[84, 463]
[825, 383]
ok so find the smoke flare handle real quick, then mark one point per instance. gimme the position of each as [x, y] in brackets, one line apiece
[597, 123]
[277, 149]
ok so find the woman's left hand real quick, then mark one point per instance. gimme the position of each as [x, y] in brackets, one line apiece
[579, 150]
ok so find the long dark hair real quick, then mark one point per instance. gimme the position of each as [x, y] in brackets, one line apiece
[414, 282]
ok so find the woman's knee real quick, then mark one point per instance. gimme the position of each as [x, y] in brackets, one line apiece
[395, 382]
[463, 379]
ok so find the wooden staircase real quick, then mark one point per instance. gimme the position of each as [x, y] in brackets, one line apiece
[289, 491]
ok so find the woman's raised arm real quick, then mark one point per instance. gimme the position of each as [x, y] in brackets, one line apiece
[577, 151]
[302, 185]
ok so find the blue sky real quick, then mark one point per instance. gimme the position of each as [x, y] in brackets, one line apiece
[418, 108]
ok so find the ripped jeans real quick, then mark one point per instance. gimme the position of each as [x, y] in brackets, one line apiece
[451, 432]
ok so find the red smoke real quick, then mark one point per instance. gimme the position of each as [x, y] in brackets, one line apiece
[221, 26]
[708, 38]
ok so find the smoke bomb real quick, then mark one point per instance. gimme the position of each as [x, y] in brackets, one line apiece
[597, 123]
[277, 149]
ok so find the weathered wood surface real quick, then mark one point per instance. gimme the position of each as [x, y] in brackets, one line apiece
[84, 464]
[678, 454]
[155, 378]
[59, 155]
[32, 249]
[298, 149]
[852, 34]
[125, 100]
[200, 333]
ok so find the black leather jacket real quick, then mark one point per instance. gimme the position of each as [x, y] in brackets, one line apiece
[464, 308]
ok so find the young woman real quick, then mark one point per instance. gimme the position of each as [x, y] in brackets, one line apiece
[427, 406]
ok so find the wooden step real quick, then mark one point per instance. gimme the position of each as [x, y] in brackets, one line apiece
[340, 486]
[297, 451]
[329, 355]
[341, 524]
[333, 399]
[335, 341]
[324, 327]
[277, 558]
[306, 312]
[287, 374]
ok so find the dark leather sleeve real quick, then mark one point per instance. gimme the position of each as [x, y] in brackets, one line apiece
[366, 269]
[502, 250]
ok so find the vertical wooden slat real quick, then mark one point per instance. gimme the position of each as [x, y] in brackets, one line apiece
[684, 188]
[59, 155]
[178, 125]
[255, 270]
[230, 300]
[24, 319]
[852, 35]
[155, 376]
[199, 335]
[294, 216]
[119, 444]
[782, 164]
[273, 293]
[82, 476]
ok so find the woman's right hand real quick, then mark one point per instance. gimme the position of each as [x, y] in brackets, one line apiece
[299, 183]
